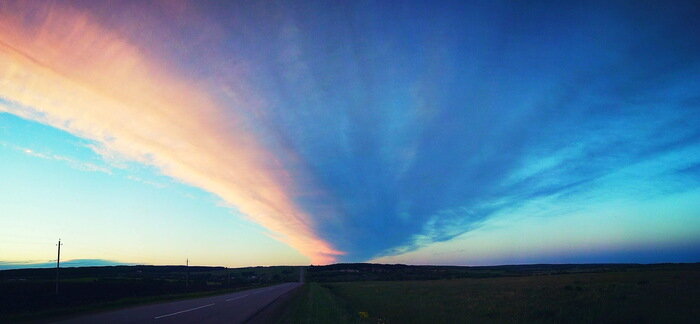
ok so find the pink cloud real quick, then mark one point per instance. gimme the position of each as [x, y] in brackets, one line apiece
[61, 67]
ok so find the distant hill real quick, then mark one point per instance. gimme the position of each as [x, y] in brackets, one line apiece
[5, 265]
[393, 272]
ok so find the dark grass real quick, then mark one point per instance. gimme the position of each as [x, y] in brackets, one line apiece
[317, 304]
[634, 294]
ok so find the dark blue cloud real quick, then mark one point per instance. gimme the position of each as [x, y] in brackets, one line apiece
[423, 120]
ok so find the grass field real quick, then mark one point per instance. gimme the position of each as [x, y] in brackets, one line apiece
[639, 295]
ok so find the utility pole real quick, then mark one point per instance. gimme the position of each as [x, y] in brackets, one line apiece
[187, 274]
[58, 263]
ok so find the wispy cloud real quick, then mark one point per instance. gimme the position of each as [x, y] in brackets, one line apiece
[150, 183]
[73, 163]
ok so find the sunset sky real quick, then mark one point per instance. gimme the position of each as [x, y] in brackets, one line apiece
[264, 133]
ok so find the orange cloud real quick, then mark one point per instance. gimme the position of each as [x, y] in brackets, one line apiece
[60, 66]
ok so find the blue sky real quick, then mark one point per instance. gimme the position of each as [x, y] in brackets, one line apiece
[452, 133]
[55, 186]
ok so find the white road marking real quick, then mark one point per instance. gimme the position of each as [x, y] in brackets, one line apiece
[185, 311]
[264, 290]
[239, 297]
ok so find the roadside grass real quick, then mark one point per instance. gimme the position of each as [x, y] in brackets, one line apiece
[317, 304]
[59, 313]
[612, 297]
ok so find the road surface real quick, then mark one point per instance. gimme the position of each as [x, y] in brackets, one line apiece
[230, 308]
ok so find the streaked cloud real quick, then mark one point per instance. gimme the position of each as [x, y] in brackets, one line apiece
[373, 130]
[60, 66]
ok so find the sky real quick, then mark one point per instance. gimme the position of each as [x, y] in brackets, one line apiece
[312, 132]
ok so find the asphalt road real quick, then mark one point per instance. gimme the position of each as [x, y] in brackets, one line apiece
[230, 308]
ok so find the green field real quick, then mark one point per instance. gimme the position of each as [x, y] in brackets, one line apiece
[647, 294]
